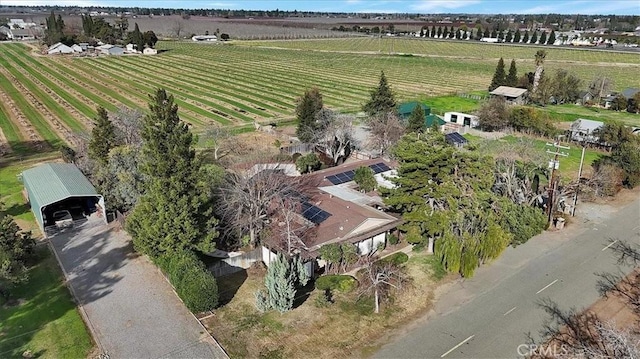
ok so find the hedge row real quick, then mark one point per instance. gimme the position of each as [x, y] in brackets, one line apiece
[195, 285]
[341, 283]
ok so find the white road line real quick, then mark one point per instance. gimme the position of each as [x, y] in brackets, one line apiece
[610, 244]
[510, 310]
[457, 346]
[547, 286]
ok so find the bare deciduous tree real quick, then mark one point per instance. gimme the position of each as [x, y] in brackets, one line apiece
[386, 130]
[335, 135]
[246, 198]
[380, 279]
[287, 228]
[177, 28]
[128, 124]
[220, 140]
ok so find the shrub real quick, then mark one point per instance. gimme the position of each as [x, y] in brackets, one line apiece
[308, 163]
[365, 179]
[395, 259]
[324, 300]
[393, 239]
[341, 283]
[195, 285]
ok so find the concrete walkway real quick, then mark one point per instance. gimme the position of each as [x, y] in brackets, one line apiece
[129, 307]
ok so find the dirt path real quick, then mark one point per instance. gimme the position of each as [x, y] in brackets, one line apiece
[5, 148]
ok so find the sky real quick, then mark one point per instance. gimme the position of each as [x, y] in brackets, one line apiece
[587, 7]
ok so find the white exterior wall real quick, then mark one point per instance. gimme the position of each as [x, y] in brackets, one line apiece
[268, 256]
[370, 245]
[460, 118]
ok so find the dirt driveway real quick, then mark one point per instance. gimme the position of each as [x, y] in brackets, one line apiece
[131, 309]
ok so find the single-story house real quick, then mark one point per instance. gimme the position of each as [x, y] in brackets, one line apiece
[110, 50]
[461, 119]
[405, 110]
[455, 139]
[607, 101]
[19, 34]
[584, 97]
[582, 130]
[150, 51]
[59, 48]
[630, 92]
[512, 95]
[60, 196]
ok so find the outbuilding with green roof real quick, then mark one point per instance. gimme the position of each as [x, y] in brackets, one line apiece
[59, 192]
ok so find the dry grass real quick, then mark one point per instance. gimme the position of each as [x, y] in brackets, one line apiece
[347, 328]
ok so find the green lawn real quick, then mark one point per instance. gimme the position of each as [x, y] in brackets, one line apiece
[441, 104]
[573, 112]
[46, 320]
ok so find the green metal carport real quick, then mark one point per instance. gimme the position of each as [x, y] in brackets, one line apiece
[51, 183]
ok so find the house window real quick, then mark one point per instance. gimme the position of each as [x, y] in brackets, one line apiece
[454, 118]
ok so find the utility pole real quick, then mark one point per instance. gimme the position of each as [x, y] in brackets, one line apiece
[554, 165]
[575, 196]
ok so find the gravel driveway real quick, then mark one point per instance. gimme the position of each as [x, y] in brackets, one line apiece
[131, 309]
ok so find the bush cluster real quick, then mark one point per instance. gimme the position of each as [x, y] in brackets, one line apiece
[395, 259]
[341, 283]
[195, 285]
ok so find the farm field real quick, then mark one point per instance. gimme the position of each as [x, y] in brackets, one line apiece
[46, 101]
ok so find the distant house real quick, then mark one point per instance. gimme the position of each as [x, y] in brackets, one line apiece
[461, 119]
[455, 139]
[584, 97]
[583, 130]
[110, 50]
[607, 101]
[59, 48]
[405, 110]
[630, 92]
[512, 95]
[150, 51]
[21, 34]
[77, 48]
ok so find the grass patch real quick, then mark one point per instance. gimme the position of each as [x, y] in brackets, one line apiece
[429, 264]
[46, 320]
[441, 104]
[570, 113]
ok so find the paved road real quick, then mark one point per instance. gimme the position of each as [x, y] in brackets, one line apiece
[131, 309]
[491, 314]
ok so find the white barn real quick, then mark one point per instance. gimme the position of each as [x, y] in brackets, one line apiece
[462, 119]
[59, 48]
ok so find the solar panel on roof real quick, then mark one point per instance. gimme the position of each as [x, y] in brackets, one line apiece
[379, 167]
[455, 137]
[333, 179]
[313, 213]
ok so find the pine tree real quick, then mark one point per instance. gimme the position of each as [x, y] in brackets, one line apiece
[439, 33]
[174, 213]
[494, 34]
[509, 36]
[500, 36]
[543, 38]
[552, 38]
[525, 39]
[382, 100]
[16, 247]
[512, 77]
[517, 36]
[283, 278]
[415, 123]
[103, 137]
[138, 38]
[308, 107]
[499, 76]
[534, 37]
[487, 33]
[433, 31]
[445, 33]
[451, 32]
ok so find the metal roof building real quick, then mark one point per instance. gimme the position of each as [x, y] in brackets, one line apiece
[53, 185]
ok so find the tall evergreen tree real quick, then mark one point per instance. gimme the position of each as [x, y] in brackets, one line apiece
[415, 122]
[16, 248]
[552, 38]
[174, 213]
[499, 77]
[433, 31]
[439, 33]
[534, 37]
[283, 277]
[543, 38]
[512, 77]
[525, 39]
[137, 38]
[103, 137]
[517, 36]
[308, 107]
[451, 32]
[422, 31]
[487, 33]
[509, 36]
[382, 99]
[445, 32]
[494, 34]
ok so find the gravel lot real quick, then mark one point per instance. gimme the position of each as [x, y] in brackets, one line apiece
[132, 310]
